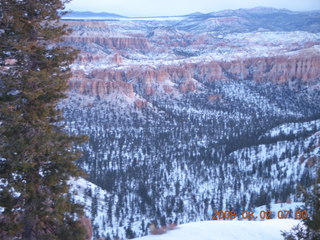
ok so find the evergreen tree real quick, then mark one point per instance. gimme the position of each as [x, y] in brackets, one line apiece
[36, 155]
[312, 201]
[311, 228]
[129, 233]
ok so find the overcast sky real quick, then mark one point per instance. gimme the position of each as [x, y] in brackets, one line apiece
[135, 8]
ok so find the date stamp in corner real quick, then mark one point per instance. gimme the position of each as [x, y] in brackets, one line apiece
[261, 215]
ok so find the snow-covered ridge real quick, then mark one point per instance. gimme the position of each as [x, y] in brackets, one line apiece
[293, 128]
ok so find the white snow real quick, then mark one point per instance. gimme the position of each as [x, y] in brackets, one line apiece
[293, 128]
[228, 230]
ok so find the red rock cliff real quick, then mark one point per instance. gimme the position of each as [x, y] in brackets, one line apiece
[135, 57]
[277, 69]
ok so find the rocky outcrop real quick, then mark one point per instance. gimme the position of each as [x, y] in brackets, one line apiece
[140, 103]
[101, 88]
[117, 59]
[101, 82]
[112, 42]
[213, 98]
[188, 86]
[102, 34]
[277, 69]
[153, 59]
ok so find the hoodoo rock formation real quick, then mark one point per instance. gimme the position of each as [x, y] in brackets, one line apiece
[154, 57]
[146, 81]
[100, 88]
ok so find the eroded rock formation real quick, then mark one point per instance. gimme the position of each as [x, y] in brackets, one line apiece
[147, 59]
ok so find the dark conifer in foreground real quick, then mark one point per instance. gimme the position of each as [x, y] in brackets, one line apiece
[36, 155]
[312, 200]
[309, 229]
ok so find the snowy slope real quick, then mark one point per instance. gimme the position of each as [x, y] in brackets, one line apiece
[227, 230]
[187, 116]
[241, 229]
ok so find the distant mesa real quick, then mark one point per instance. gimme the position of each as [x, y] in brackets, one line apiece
[88, 14]
[268, 10]
[194, 14]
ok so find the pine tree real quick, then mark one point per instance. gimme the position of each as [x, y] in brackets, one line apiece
[36, 155]
[310, 229]
[312, 201]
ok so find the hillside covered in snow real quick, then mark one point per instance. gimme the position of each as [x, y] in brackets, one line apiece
[193, 114]
[228, 230]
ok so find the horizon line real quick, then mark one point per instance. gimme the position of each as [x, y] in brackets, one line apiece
[181, 15]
